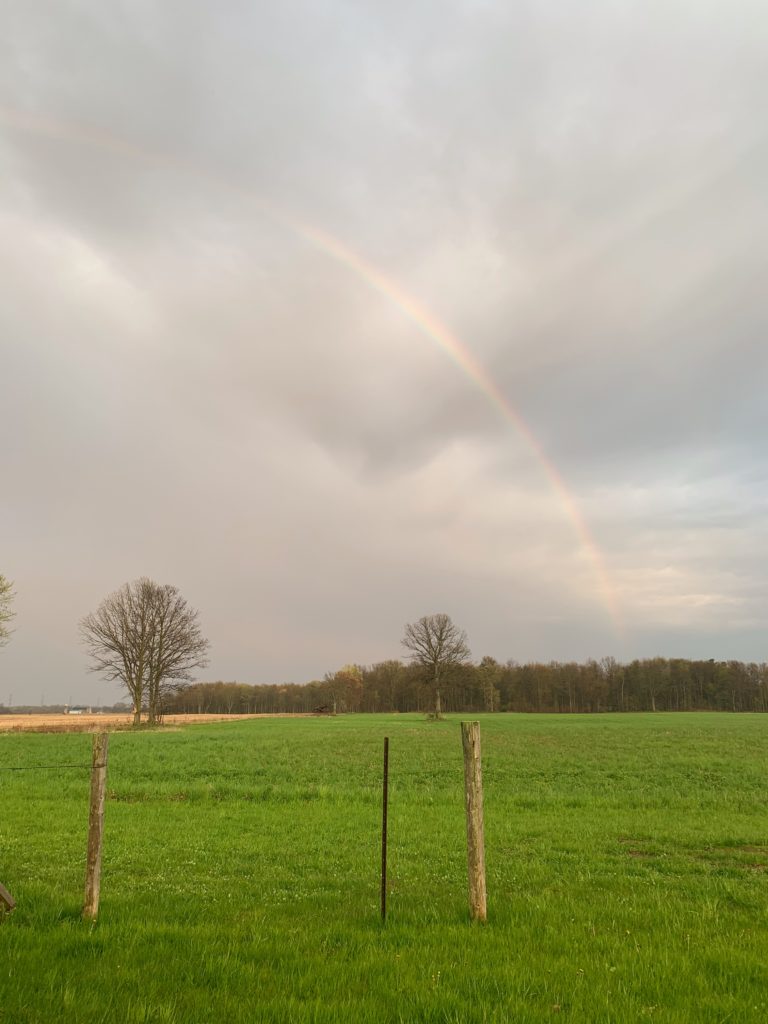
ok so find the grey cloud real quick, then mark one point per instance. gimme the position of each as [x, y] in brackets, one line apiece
[204, 390]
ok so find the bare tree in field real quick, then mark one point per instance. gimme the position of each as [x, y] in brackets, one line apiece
[6, 611]
[147, 637]
[437, 645]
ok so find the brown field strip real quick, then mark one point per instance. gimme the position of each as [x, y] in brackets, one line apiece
[106, 722]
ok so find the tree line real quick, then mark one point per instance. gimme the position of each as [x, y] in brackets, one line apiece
[649, 684]
[146, 637]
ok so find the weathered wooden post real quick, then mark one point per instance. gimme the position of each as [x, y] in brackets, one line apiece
[384, 802]
[473, 799]
[7, 902]
[96, 825]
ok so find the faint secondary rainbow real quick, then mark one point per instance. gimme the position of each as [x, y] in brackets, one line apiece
[422, 318]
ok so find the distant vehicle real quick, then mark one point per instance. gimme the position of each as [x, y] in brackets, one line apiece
[77, 709]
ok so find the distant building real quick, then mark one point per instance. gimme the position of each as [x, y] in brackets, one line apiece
[77, 709]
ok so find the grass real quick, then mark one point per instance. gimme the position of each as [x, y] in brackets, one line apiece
[627, 873]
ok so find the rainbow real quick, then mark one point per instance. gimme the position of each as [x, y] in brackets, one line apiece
[429, 325]
[421, 317]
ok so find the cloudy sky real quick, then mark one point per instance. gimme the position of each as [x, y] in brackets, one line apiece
[337, 314]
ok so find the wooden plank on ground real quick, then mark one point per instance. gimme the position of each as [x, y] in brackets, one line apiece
[7, 902]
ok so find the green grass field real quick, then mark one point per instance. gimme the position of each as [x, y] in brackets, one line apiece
[627, 874]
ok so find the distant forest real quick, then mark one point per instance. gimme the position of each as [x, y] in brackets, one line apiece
[655, 684]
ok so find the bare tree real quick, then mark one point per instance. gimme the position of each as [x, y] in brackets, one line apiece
[438, 646]
[147, 637]
[177, 647]
[6, 611]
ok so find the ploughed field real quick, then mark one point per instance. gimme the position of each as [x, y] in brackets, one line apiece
[627, 866]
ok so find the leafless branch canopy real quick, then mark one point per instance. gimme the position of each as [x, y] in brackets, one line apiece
[146, 636]
[6, 611]
[437, 644]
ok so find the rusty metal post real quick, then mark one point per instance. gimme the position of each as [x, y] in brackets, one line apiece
[384, 802]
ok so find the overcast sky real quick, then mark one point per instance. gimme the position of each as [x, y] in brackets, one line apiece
[199, 383]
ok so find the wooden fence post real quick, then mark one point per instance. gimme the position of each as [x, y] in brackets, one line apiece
[473, 799]
[96, 825]
[7, 902]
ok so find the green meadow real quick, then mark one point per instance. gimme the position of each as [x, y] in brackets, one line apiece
[627, 861]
